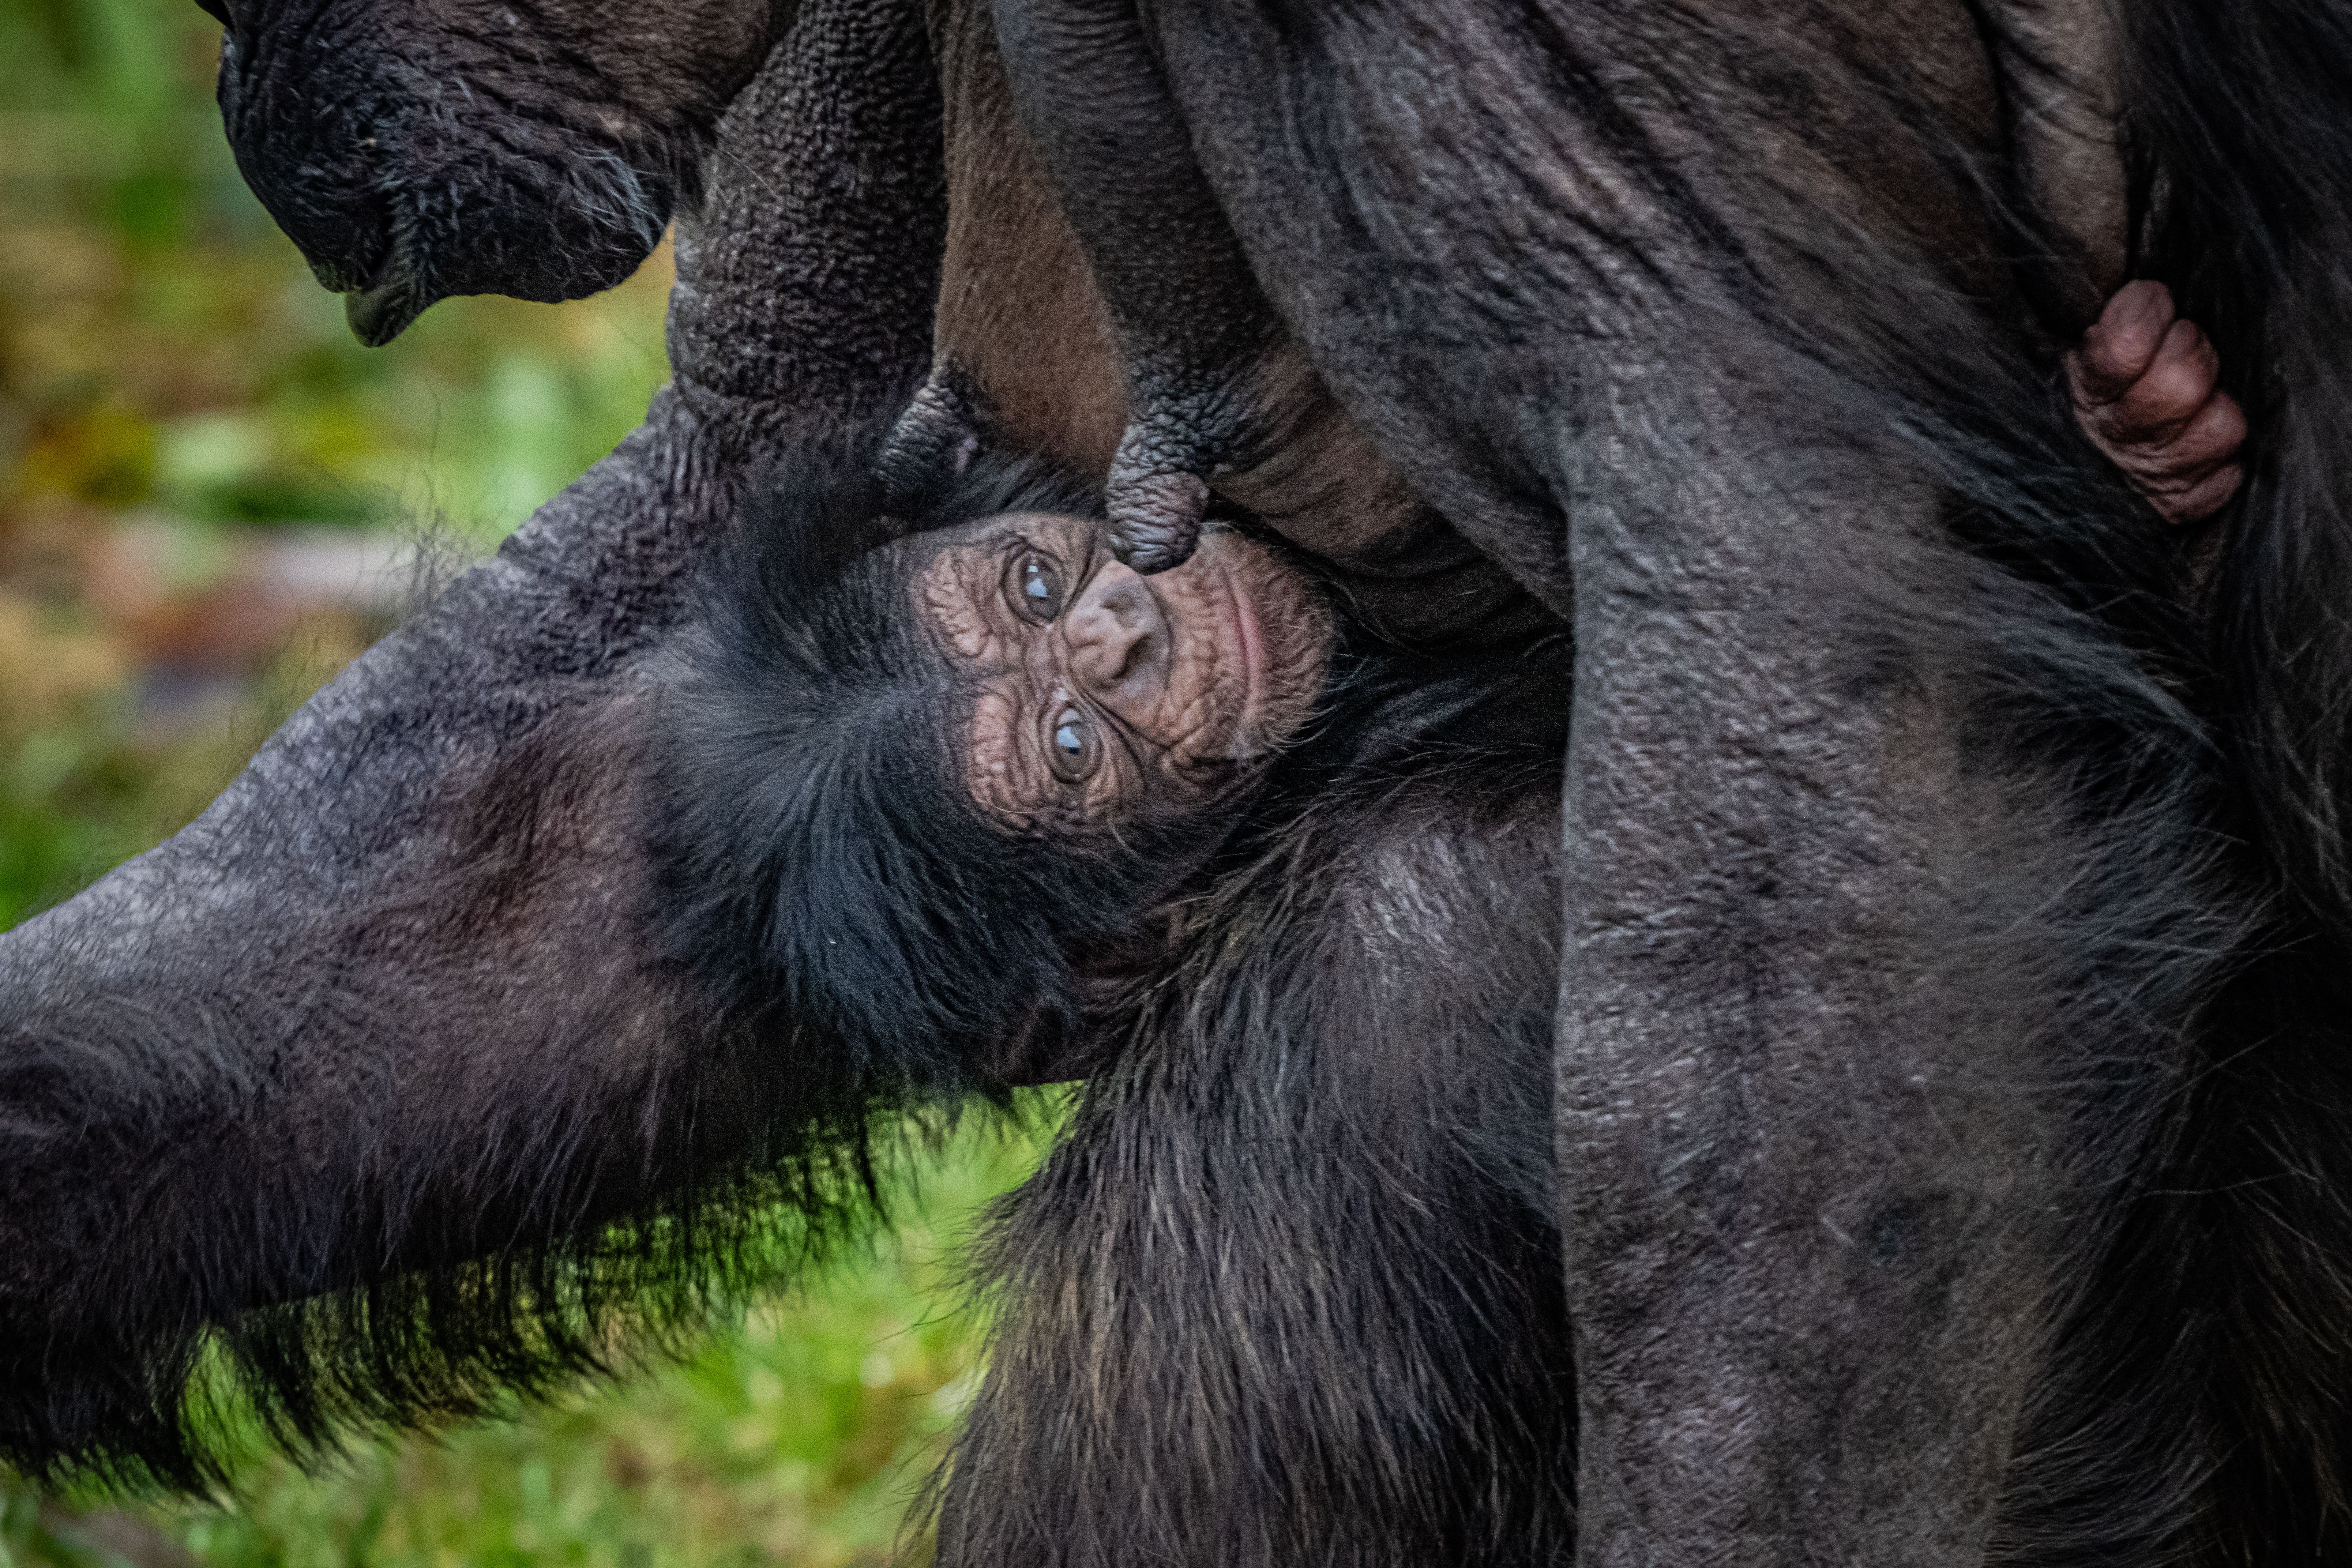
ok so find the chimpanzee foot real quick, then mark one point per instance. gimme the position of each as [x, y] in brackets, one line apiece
[936, 437]
[2146, 391]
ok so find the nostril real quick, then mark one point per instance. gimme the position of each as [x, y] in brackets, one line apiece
[1105, 646]
[1132, 647]
[218, 10]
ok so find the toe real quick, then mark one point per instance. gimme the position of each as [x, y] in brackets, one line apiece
[2201, 498]
[934, 440]
[2194, 474]
[2209, 439]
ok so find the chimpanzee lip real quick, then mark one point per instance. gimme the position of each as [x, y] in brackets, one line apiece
[394, 298]
[1263, 720]
[1252, 638]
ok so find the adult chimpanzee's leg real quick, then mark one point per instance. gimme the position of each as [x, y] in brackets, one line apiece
[1885, 907]
[386, 1021]
[1288, 1292]
[1847, 1098]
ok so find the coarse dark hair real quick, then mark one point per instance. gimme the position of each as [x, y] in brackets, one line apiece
[822, 860]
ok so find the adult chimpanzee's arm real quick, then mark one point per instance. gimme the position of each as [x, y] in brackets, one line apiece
[385, 1021]
[1885, 892]
[1192, 328]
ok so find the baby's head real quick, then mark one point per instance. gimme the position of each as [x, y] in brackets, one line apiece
[914, 763]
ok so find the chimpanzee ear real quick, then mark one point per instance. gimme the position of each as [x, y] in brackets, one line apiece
[384, 1022]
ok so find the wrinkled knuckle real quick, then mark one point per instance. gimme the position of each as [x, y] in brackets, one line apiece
[2169, 393]
[2228, 422]
[1147, 550]
[2096, 377]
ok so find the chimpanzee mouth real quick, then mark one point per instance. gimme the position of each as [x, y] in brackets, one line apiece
[381, 310]
[1281, 634]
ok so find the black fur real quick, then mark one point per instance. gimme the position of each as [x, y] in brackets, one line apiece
[822, 857]
[2240, 120]
[372, 1076]
[255, 1181]
[1289, 1290]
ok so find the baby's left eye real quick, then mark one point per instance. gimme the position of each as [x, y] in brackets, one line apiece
[1070, 748]
[1035, 587]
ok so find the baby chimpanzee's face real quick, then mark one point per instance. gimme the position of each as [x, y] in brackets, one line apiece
[1100, 692]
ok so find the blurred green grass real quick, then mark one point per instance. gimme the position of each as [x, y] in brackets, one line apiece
[168, 371]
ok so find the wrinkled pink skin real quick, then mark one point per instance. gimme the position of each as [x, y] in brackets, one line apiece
[1175, 680]
[2146, 391]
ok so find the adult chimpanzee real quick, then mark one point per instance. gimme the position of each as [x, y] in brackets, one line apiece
[1881, 340]
[1864, 1145]
[1864, 1115]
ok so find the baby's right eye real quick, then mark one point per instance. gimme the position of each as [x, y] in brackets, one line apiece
[1035, 587]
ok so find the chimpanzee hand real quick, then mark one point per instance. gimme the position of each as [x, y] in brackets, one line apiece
[937, 437]
[2146, 391]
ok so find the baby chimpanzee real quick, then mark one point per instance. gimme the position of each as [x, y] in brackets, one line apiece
[925, 763]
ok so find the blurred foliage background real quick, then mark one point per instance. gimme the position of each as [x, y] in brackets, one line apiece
[207, 489]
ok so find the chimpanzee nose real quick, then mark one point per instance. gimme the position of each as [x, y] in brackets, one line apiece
[1115, 632]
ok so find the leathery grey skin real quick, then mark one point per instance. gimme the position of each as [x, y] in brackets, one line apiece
[385, 1020]
[1911, 939]
[378, 134]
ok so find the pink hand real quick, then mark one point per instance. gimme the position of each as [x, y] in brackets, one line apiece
[2146, 391]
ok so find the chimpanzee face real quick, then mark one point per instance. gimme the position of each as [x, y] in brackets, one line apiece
[418, 149]
[1099, 692]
